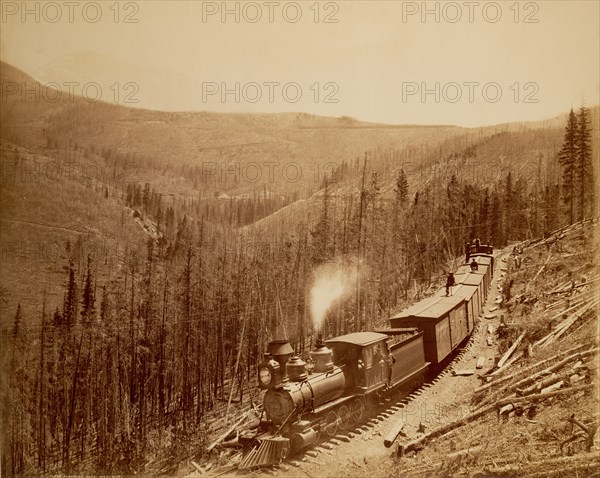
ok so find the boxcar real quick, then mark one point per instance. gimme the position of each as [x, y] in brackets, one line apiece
[475, 279]
[443, 321]
[471, 297]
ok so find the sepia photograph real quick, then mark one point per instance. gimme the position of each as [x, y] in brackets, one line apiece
[303, 239]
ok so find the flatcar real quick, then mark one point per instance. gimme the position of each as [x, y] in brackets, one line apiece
[343, 376]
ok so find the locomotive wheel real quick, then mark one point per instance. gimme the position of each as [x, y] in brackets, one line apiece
[357, 409]
[345, 417]
[331, 424]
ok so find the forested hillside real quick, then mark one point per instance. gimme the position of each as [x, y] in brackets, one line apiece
[165, 270]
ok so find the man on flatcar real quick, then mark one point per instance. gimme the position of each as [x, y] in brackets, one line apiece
[449, 283]
[474, 265]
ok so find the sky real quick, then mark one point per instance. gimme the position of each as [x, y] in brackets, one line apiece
[464, 63]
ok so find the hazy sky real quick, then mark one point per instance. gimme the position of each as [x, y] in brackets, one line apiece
[479, 62]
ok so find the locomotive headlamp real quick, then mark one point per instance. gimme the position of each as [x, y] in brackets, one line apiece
[264, 375]
[269, 375]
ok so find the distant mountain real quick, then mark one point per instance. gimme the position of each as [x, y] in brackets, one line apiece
[198, 138]
[121, 82]
[223, 144]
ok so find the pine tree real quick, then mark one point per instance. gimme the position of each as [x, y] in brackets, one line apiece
[401, 188]
[57, 318]
[496, 230]
[567, 158]
[17, 322]
[399, 235]
[17, 341]
[70, 303]
[583, 161]
[484, 218]
[509, 206]
[551, 208]
[361, 208]
[17, 380]
[452, 217]
[87, 298]
[321, 235]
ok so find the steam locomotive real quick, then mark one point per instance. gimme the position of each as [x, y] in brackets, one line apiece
[346, 375]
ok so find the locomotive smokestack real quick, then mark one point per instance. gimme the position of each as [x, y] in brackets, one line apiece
[281, 351]
[319, 344]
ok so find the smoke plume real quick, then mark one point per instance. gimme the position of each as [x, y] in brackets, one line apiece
[332, 282]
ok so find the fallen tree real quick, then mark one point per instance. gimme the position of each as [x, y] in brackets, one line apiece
[415, 444]
[523, 370]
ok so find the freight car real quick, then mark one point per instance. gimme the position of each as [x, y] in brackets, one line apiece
[344, 376]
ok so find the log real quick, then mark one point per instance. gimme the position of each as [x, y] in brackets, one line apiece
[463, 373]
[559, 288]
[510, 361]
[480, 362]
[536, 388]
[574, 318]
[393, 433]
[551, 369]
[562, 324]
[538, 272]
[229, 430]
[590, 430]
[575, 378]
[233, 443]
[564, 288]
[569, 320]
[551, 388]
[509, 352]
[537, 364]
[254, 423]
[463, 452]
[486, 409]
[519, 468]
[198, 467]
[542, 396]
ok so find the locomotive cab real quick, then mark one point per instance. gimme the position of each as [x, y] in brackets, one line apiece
[365, 359]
